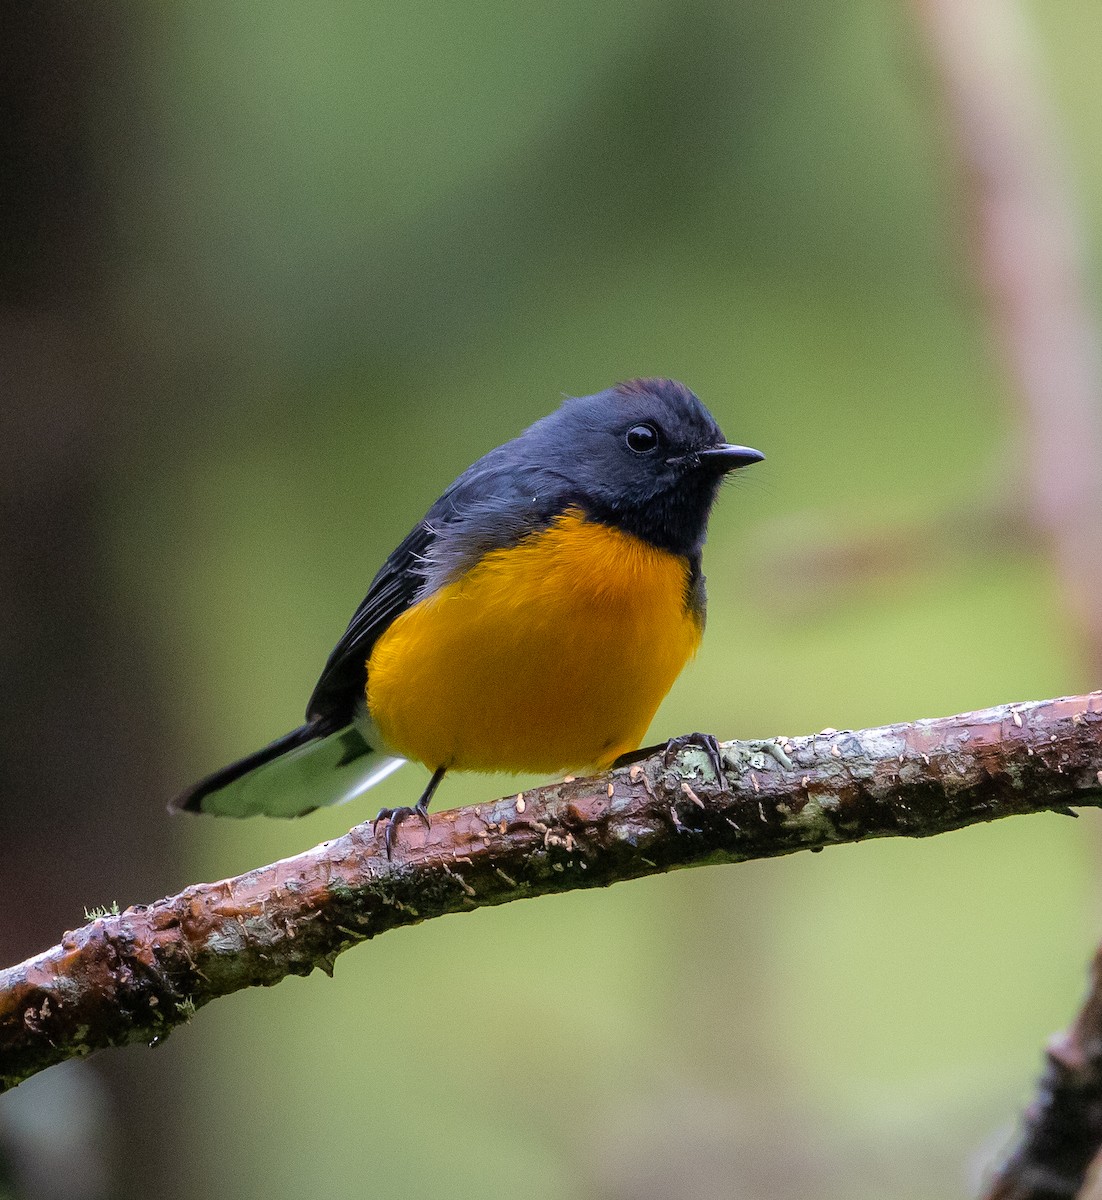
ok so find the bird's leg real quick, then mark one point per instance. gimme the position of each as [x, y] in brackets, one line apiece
[395, 816]
[634, 756]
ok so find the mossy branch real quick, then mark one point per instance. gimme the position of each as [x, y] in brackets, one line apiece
[134, 976]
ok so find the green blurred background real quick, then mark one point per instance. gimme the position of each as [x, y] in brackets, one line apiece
[275, 274]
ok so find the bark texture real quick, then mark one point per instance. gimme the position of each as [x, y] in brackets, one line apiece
[135, 975]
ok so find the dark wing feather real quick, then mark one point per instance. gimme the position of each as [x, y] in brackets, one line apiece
[341, 686]
[494, 503]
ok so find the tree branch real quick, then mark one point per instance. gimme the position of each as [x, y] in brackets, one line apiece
[134, 976]
[1062, 1128]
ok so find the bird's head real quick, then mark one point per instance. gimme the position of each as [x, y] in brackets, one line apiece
[645, 456]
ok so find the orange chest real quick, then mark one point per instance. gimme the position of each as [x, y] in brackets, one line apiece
[553, 654]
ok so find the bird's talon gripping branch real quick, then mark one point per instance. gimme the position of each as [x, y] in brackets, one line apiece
[394, 817]
[701, 741]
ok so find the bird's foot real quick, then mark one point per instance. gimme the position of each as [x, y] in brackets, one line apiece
[395, 816]
[671, 749]
[701, 741]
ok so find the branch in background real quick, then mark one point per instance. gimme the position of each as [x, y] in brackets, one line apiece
[134, 976]
[1028, 254]
[1063, 1127]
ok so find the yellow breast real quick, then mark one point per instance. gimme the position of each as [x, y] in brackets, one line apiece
[548, 656]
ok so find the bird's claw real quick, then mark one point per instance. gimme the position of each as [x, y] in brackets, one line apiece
[702, 741]
[394, 817]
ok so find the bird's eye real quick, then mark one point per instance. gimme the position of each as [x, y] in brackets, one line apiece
[642, 438]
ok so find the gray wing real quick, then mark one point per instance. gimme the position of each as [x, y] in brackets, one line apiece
[493, 504]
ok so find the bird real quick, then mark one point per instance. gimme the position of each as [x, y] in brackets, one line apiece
[532, 620]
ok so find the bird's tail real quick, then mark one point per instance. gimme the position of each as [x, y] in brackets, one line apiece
[308, 768]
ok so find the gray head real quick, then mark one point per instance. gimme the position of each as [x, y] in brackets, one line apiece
[645, 456]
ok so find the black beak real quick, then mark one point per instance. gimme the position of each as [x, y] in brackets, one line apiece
[729, 458]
